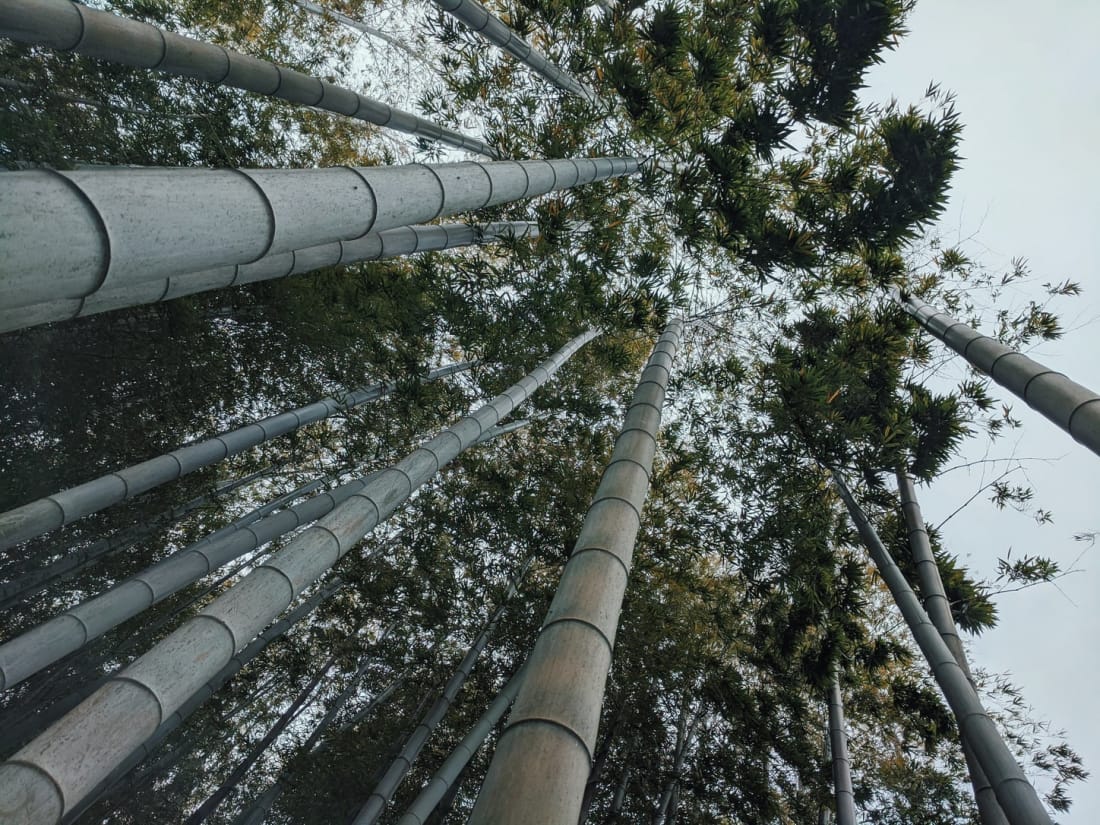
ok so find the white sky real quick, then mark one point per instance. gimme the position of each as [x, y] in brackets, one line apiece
[1027, 78]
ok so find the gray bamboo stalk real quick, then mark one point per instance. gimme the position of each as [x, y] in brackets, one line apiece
[1073, 407]
[192, 703]
[478, 19]
[842, 765]
[544, 756]
[685, 729]
[390, 243]
[360, 26]
[67, 26]
[229, 784]
[61, 508]
[444, 779]
[504, 429]
[48, 776]
[620, 793]
[38, 580]
[68, 234]
[42, 645]
[1015, 794]
[939, 611]
[383, 792]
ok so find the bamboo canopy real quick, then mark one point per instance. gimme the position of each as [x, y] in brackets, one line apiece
[55, 771]
[374, 246]
[544, 756]
[1074, 408]
[1015, 794]
[62, 508]
[124, 226]
[71, 27]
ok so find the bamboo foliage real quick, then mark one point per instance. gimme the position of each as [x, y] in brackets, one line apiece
[71, 27]
[61, 508]
[842, 765]
[939, 611]
[1073, 407]
[119, 226]
[51, 774]
[545, 754]
[1014, 792]
[374, 246]
[480, 20]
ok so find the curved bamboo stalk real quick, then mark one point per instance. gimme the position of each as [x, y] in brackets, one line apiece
[51, 774]
[478, 19]
[71, 27]
[383, 792]
[374, 246]
[842, 765]
[444, 779]
[358, 25]
[1073, 407]
[939, 611]
[544, 756]
[69, 234]
[1017, 797]
[61, 508]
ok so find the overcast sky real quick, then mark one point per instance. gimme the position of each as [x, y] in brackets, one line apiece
[1027, 79]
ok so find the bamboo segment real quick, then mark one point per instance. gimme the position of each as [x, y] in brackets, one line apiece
[405, 240]
[939, 611]
[477, 18]
[1015, 794]
[51, 774]
[121, 226]
[842, 765]
[61, 508]
[71, 27]
[544, 756]
[1073, 407]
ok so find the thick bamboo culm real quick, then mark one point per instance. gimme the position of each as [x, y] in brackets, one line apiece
[939, 611]
[51, 774]
[71, 27]
[59, 509]
[544, 756]
[1015, 794]
[1073, 407]
[478, 19]
[69, 234]
[842, 764]
[404, 240]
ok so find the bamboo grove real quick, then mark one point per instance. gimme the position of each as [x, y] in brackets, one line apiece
[608, 510]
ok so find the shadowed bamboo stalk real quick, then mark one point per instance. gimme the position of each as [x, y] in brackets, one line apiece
[478, 19]
[391, 243]
[842, 765]
[939, 611]
[71, 27]
[51, 774]
[1015, 794]
[68, 234]
[61, 508]
[383, 792]
[544, 756]
[358, 25]
[1073, 407]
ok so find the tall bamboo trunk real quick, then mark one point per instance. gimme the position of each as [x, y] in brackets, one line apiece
[390, 243]
[1015, 794]
[136, 755]
[48, 776]
[1074, 408]
[67, 26]
[59, 509]
[230, 783]
[447, 776]
[478, 19]
[69, 234]
[383, 792]
[939, 611]
[842, 765]
[544, 756]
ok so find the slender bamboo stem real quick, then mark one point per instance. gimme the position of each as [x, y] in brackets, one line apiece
[842, 765]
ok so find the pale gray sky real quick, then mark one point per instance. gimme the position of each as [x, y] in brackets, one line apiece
[1027, 79]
